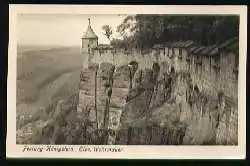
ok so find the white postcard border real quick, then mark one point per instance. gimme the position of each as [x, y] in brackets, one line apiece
[128, 152]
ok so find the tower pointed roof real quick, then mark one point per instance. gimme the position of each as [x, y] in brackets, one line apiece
[89, 34]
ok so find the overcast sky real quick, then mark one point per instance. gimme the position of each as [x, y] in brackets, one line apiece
[62, 30]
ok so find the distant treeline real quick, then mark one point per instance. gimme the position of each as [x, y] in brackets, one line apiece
[143, 31]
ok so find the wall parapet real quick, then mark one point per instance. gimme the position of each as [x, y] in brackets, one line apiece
[213, 62]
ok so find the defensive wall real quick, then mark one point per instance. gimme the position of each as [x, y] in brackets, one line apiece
[130, 84]
[212, 68]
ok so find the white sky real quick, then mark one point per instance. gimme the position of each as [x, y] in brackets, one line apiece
[62, 30]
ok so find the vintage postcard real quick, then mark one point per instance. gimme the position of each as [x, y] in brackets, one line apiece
[129, 82]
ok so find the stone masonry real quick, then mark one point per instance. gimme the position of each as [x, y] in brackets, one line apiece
[120, 86]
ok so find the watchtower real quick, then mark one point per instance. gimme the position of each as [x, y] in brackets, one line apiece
[89, 41]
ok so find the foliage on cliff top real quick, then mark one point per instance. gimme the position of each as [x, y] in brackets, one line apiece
[146, 30]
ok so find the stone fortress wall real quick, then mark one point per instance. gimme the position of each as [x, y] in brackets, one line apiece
[212, 68]
[125, 86]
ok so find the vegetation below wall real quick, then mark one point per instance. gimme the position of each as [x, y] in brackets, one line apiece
[61, 124]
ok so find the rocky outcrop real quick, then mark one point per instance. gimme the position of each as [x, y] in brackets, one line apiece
[127, 96]
[130, 105]
[151, 134]
[104, 90]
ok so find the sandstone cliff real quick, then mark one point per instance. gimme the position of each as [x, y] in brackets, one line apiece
[130, 105]
[140, 98]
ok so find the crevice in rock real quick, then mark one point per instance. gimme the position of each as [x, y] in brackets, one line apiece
[108, 84]
[96, 111]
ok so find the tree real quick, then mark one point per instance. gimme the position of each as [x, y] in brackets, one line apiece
[146, 30]
[127, 26]
[107, 31]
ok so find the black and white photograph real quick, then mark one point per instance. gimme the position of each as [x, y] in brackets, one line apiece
[127, 79]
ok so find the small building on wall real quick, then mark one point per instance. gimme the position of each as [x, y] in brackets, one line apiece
[190, 58]
[177, 52]
[229, 62]
[215, 68]
[158, 51]
[195, 65]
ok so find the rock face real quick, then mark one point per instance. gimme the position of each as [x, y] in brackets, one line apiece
[125, 99]
[151, 135]
[104, 90]
[130, 105]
